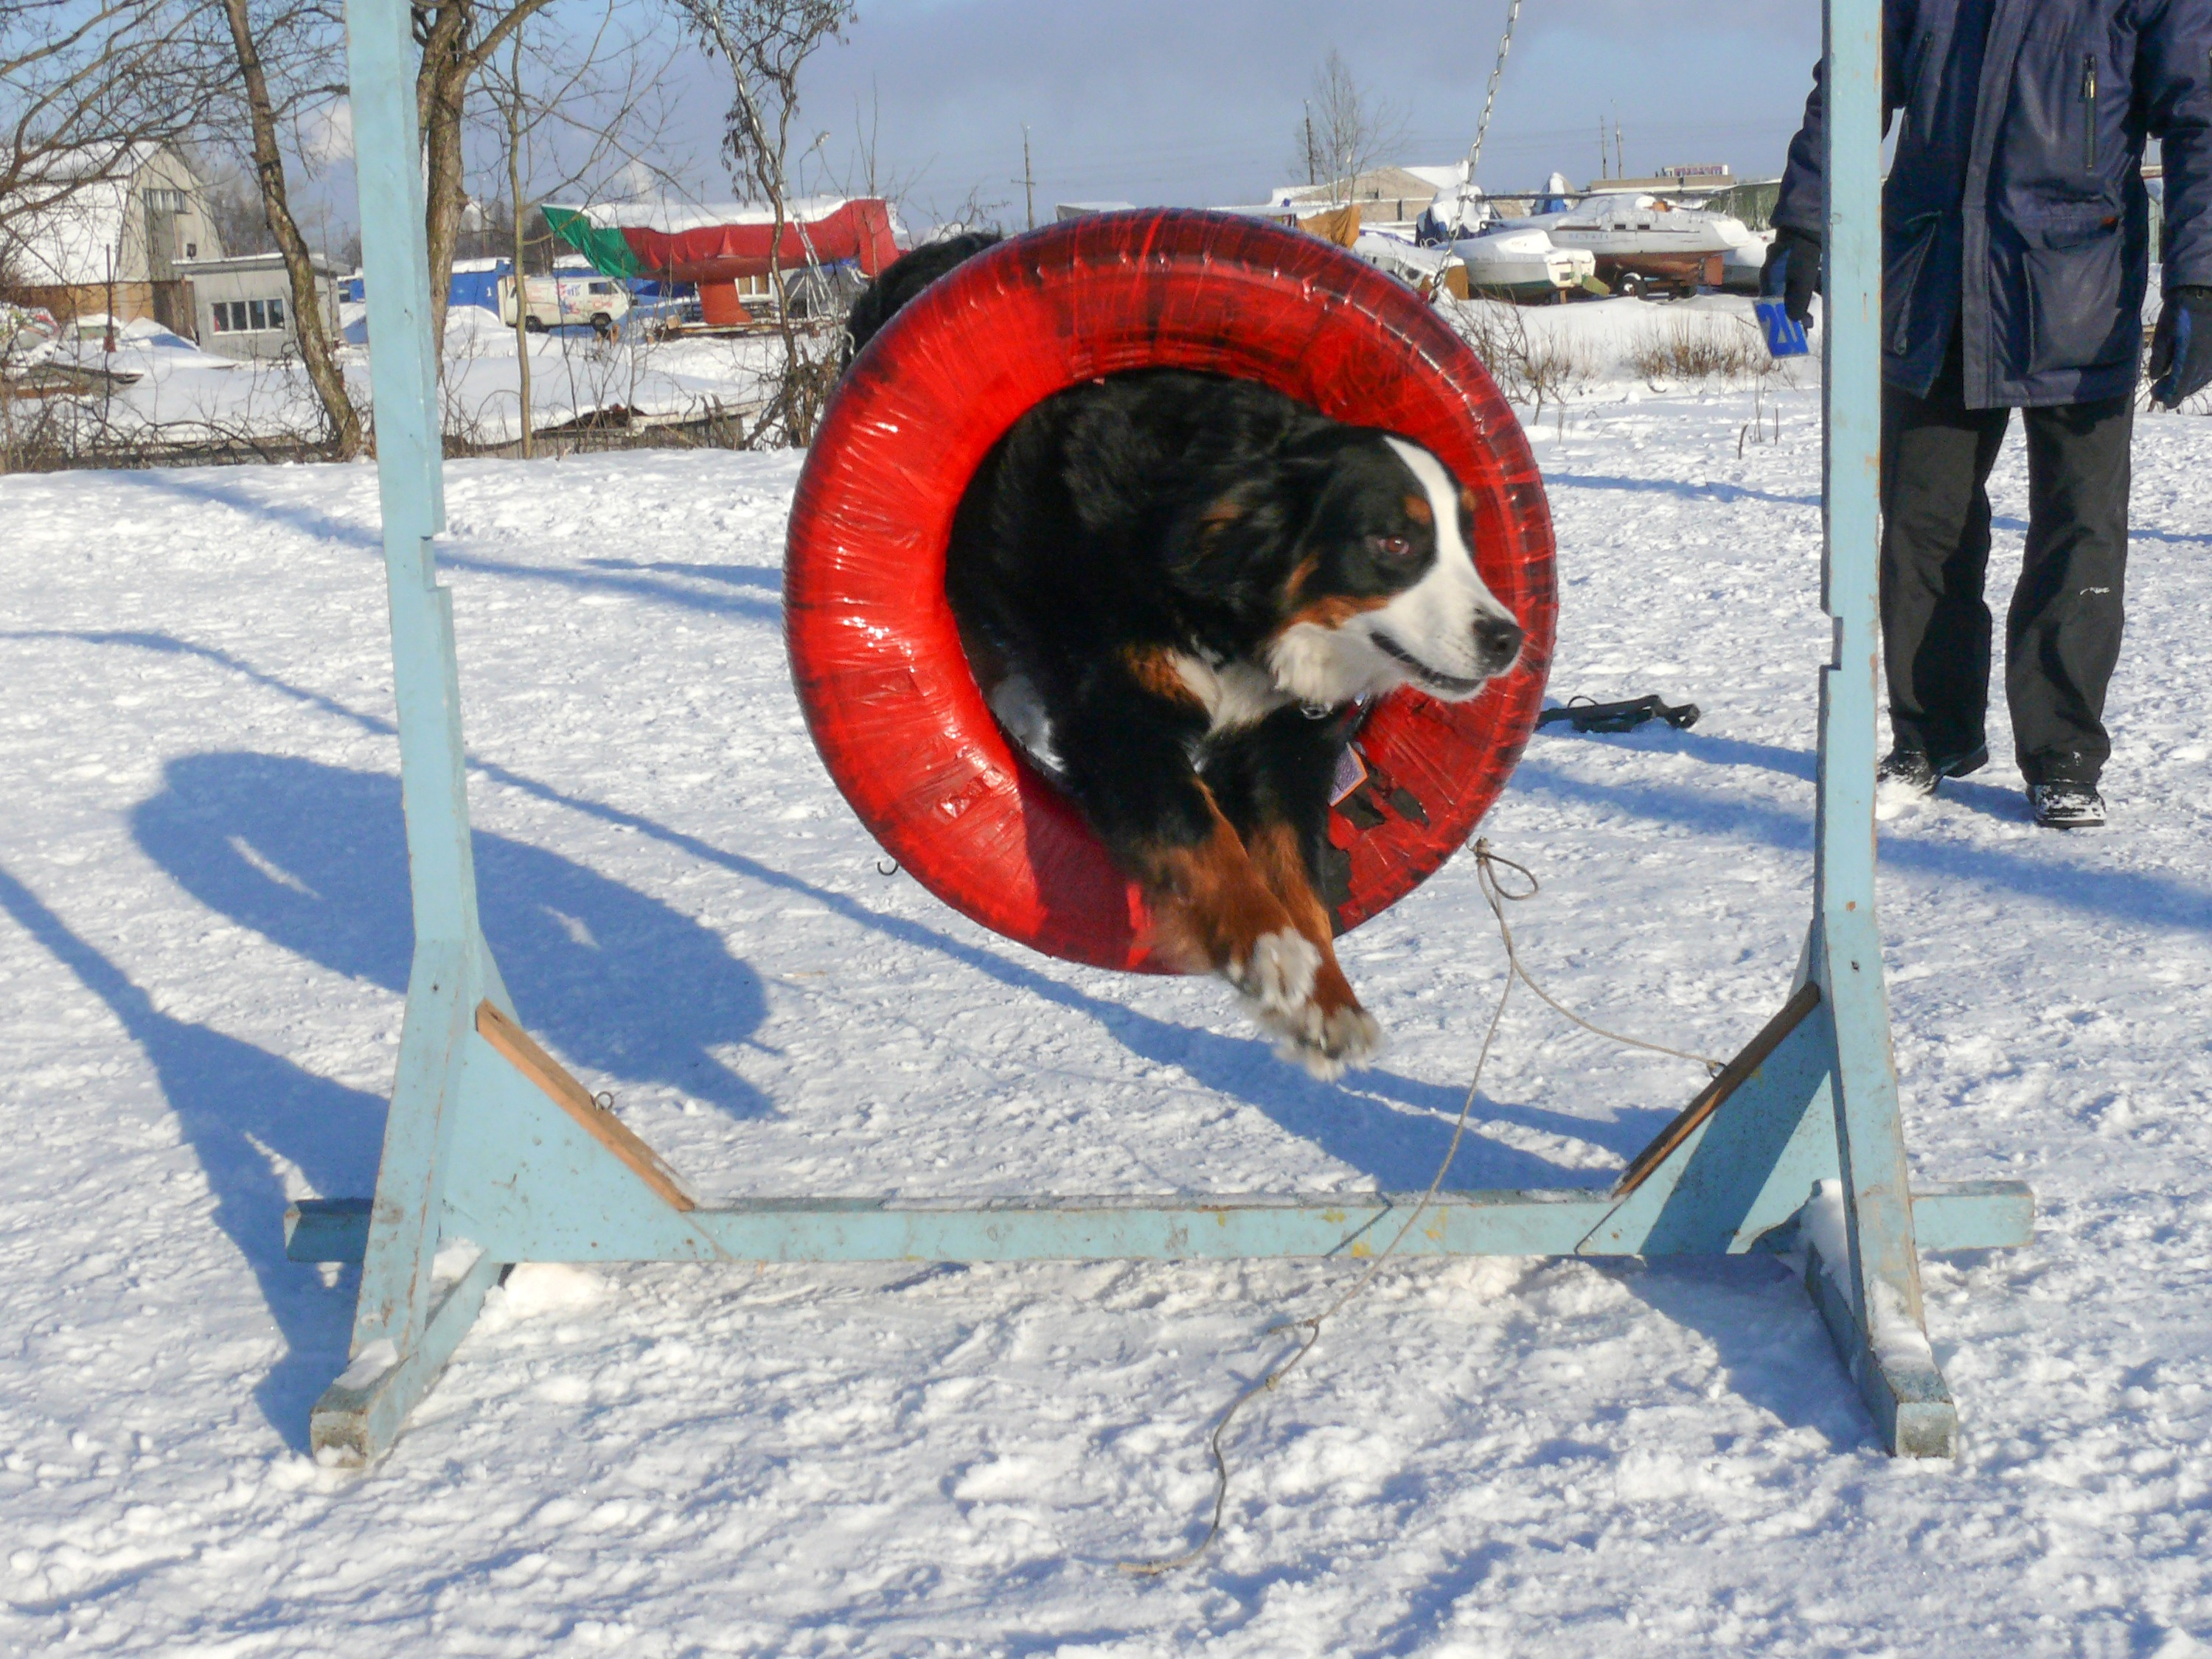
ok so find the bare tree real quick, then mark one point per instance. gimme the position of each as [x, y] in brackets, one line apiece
[594, 92]
[234, 208]
[1345, 129]
[81, 82]
[294, 28]
[459, 38]
[764, 43]
[512, 111]
[866, 172]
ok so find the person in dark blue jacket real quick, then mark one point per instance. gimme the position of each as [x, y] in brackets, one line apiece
[2016, 254]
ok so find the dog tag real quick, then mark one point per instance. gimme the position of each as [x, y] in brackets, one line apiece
[1351, 773]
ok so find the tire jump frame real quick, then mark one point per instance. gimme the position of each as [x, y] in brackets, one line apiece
[1798, 1143]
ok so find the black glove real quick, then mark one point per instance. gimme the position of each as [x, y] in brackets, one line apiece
[2181, 346]
[1792, 274]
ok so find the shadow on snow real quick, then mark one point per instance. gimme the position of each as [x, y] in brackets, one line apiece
[314, 858]
[1386, 1125]
[231, 1100]
[605, 577]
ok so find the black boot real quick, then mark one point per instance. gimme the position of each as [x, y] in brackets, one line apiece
[1911, 771]
[2066, 805]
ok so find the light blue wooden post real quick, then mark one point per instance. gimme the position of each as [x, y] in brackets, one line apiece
[400, 1303]
[1883, 1271]
[490, 1141]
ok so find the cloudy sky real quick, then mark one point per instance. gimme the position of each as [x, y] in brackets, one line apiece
[1196, 100]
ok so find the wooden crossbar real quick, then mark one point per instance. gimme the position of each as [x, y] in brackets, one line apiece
[520, 1050]
[1710, 1099]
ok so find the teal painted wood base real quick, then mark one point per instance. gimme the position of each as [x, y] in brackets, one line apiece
[531, 1170]
[1904, 1391]
[355, 1420]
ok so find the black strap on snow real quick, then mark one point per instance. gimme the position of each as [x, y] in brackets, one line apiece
[1585, 716]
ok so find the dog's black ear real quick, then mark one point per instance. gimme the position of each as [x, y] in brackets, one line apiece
[1230, 539]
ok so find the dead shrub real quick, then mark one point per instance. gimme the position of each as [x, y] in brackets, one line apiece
[1694, 347]
[1535, 366]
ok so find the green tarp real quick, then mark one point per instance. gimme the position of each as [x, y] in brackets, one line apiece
[608, 251]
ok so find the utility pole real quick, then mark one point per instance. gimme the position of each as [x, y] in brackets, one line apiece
[1029, 179]
[1313, 169]
[1620, 166]
[1601, 172]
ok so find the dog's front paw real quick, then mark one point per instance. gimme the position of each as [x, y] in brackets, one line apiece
[1325, 1041]
[1301, 996]
[1278, 976]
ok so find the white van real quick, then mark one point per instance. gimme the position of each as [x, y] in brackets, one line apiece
[552, 301]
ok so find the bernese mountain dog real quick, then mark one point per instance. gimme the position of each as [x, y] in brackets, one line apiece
[1169, 585]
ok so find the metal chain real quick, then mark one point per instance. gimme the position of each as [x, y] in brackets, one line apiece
[1489, 98]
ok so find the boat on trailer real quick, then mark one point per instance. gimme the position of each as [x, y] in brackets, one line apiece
[1640, 244]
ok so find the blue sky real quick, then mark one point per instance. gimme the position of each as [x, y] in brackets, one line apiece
[1194, 101]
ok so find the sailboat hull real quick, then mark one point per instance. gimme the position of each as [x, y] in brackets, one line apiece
[1521, 264]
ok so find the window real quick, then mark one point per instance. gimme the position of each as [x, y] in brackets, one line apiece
[165, 201]
[246, 316]
[191, 250]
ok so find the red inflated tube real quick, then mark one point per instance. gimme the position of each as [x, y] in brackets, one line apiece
[881, 675]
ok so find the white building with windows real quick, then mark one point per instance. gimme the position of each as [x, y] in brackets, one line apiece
[245, 304]
[106, 229]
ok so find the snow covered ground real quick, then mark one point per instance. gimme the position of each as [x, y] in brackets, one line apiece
[168, 391]
[206, 939]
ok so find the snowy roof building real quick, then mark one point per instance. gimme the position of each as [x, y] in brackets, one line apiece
[102, 228]
[1414, 185]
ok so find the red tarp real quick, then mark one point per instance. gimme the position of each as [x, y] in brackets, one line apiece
[859, 230]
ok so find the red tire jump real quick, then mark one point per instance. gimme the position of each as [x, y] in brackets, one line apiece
[887, 690]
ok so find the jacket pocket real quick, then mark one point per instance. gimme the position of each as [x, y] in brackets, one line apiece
[2072, 274]
[1904, 256]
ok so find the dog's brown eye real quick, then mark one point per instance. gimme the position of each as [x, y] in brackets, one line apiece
[1390, 547]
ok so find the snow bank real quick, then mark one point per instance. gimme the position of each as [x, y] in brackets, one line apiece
[163, 390]
[1599, 347]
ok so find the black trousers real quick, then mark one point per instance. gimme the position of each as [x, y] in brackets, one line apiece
[2063, 631]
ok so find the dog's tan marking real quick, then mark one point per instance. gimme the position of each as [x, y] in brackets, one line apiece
[1281, 864]
[1220, 515]
[1158, 670]
[1466, 502]
[1212, 911]
[1333, 611]
[1303, 573]
[1418, 510]
[1209, 906]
